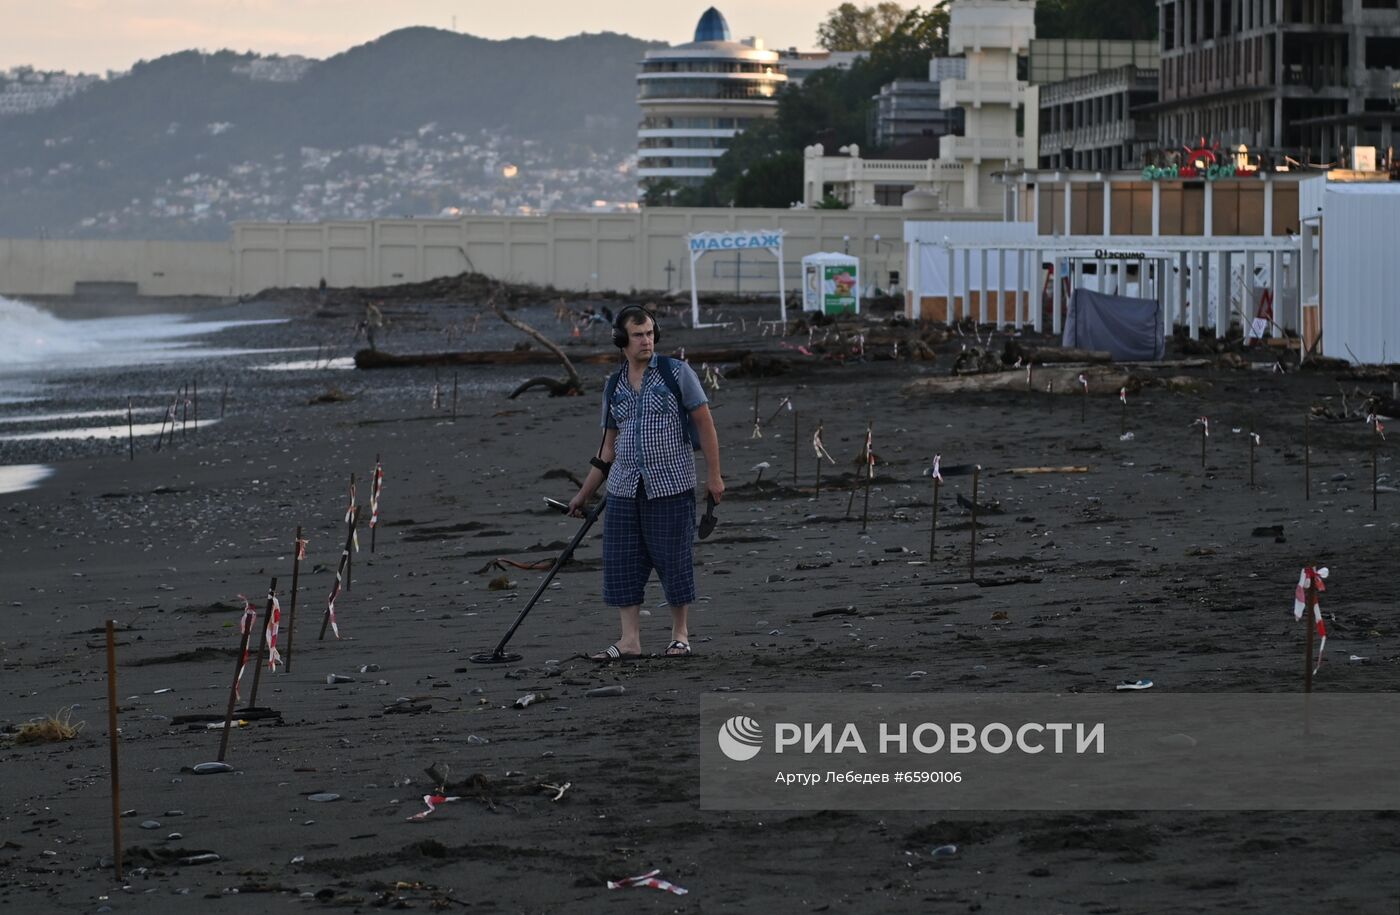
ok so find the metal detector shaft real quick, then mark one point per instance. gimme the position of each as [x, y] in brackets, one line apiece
[499, 654]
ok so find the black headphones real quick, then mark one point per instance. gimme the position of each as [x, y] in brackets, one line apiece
[620, 335]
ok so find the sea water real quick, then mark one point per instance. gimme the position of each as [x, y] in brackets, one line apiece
[35, 344]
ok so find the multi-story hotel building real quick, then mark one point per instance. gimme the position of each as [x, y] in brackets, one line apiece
[696, 97]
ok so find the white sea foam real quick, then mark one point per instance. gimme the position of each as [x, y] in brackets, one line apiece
[34, 339]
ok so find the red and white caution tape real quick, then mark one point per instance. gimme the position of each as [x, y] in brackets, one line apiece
[1123, 396]
[301, 547]
[649, 879]
[1204, 423]
[934, 471]
[1374, 420]
[335, 590]
[1084, 382]
[350, 513]
[376, 487]
[245, 627]
[1315, 578]
[273, 625]
[433, 801]
[819, 448]
[869, 452]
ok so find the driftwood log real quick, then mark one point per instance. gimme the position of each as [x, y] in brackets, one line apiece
[1103, 380]
[1040, 355]
[571, 385]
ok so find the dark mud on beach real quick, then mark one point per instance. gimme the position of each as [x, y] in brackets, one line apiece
[1145, 565]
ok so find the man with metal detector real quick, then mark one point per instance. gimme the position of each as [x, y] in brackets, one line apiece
[655, 414]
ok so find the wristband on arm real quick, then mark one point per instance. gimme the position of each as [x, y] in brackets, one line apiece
[604, 466]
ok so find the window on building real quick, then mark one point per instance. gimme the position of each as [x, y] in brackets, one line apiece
[891, 195]
[1382, 53]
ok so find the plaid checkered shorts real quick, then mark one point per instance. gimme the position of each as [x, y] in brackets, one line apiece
[640, 535]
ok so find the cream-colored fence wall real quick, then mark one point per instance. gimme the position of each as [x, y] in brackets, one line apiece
[573, 251]
[579, 251]
[33, 266]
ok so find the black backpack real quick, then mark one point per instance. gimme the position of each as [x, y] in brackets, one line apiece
[669, 369]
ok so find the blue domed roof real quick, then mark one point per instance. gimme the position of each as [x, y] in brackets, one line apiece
[712, 27]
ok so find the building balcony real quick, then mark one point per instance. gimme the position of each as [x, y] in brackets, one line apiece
[676, 133]
[966, 93]
[680, 152]
[1092, 136]
[980, 149]
[674, 172]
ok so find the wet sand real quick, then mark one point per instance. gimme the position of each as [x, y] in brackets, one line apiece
[1142, 567]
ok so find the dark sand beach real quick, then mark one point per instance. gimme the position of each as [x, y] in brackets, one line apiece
[1144, 565]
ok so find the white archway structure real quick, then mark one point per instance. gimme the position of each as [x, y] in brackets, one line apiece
[701, 243]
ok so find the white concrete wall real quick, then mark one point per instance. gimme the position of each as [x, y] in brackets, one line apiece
[30, 266]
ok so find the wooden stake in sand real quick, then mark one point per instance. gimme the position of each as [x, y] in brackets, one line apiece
[1204, 423]
[757, 429]
[112, 741]
[298, 554]
[350, 515]
[130, 434]
[869, 475]
[196, 408]
[238, 662]
[794, 448]
[454, 398]
[329, 618]
[1084, 404]
[375, 486]
[1377, 433]
[1050, 401]
[223, 399]
[1307, 457]
[1308, 619]
[184, 410]
[821, 451]
[1253, 442]
[258, 656]
[972, 556]
[933, 524]
[160, 436]
[1123, 413]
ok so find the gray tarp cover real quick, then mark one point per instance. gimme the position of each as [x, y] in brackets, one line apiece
[1130, 329]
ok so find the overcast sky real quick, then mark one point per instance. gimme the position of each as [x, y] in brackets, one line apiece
[94, 36]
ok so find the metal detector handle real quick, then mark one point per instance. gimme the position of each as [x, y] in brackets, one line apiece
[563, 558]
[557, 505]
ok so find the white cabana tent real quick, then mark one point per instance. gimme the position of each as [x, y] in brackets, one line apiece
[831, 283]
[1360, 275]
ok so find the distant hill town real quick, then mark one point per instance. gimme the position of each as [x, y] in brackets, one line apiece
[419, 122]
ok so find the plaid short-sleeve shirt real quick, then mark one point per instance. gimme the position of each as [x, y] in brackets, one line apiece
[651, 445]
